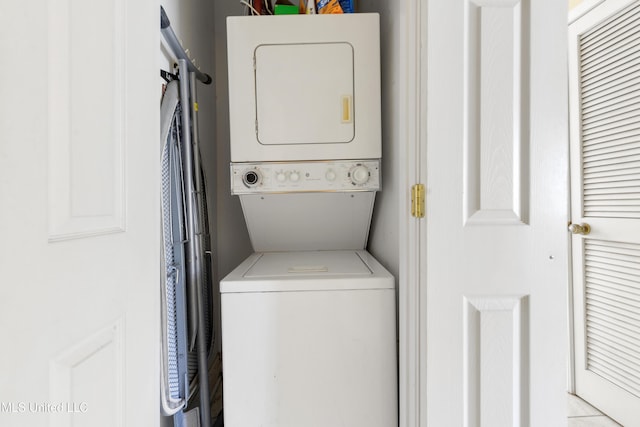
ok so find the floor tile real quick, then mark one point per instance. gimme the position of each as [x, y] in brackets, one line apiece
[595, 421]
[579, 408]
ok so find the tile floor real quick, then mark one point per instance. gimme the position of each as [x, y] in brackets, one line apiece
[581, 414]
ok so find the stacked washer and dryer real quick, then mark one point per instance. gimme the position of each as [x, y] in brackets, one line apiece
[308, 320]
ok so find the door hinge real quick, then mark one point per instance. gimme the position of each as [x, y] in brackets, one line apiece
[417, 201]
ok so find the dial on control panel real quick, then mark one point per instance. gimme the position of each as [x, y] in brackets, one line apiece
[281, 176]
[359, 174]
[252, 178]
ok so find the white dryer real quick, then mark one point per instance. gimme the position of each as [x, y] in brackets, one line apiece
[304, 87]
[305, 138]
[309, 339]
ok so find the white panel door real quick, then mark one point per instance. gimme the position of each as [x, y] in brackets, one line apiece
[79, 156]
[494, 304]
[604, 49]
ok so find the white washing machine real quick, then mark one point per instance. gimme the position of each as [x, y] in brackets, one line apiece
[309, 340]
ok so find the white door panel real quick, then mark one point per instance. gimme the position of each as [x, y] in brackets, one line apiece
[85, 120]
[496, 251]
[604, 48]
[79, 191]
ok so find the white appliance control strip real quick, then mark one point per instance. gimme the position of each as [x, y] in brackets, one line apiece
[293, 177]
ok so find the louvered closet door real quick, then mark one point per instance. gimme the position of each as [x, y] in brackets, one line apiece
[604, 51]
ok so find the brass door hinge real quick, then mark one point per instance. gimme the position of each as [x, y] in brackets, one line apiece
[417, 201]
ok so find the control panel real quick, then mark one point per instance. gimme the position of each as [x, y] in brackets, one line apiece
[288, 177]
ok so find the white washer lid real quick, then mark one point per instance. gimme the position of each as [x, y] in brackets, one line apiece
[307, 271]
[296, 264]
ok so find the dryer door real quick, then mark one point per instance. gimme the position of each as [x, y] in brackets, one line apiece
[313, 86]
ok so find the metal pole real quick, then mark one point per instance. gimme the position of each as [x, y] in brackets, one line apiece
[194, 260]
[178, 50]
[190, 208]
[203, 345]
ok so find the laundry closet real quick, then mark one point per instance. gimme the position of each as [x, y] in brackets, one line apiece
[289, 183]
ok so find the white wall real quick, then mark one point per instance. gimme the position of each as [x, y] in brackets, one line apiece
[384, 235]
[233, 243]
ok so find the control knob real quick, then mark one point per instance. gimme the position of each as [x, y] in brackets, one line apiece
[359, 174]
[251, 178]
[330, 175]
[281, 176]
